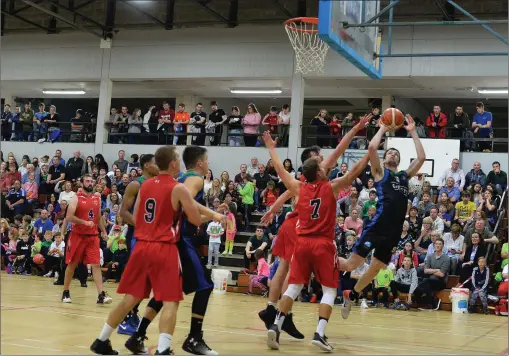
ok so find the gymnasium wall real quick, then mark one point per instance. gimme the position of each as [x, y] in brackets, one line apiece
[244, 52]
[220, 158]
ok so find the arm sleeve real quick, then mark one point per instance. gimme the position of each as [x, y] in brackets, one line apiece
[486, 280]
[414, 283]
[444, 267]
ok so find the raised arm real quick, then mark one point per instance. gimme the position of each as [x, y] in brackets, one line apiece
[376, 167]
[330, 161]
[421, 155]
[269, 215]
[346, 180]
[290, 182]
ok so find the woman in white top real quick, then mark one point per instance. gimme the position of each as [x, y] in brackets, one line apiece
[224, 180]
[67, 194]
[207, 182]
[364, 194]
[284, 124]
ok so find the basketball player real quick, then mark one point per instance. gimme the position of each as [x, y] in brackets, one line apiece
[382, 233]
[314, 249]
[84, 212]
[284, 246]
[197, 278]
[149, 169]
[154, 264]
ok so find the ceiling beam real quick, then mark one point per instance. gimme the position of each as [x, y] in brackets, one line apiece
[86, 3]
[76, 14]
[12, 4]
[447, 15]
[61, 18]
[233, 14]
[26, 20]
[283, 9]
[111, 9]
[302, 8]
[53, 21]
[2, 17]
[213, 12]
[170, 14]
[143, 12]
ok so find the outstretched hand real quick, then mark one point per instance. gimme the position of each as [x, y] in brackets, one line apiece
[267, 218]
[269, 142]
[410, 123]
[364, 121]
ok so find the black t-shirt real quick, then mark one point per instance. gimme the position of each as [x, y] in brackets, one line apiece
[257, 243]
[77, 121]
[216, 117]
[55, 117]
[261, 181]
[74, 167]
[235, 122]
[197, 117]
[56, 171]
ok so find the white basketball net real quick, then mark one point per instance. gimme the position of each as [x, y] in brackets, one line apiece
[310, 50]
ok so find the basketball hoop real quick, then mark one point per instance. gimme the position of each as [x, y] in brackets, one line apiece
[310, 50]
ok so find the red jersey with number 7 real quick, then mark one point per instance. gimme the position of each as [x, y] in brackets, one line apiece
[317, 210]
[88, 209]
[156, 221]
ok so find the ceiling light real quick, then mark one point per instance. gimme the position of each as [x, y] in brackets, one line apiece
[63, 92]
[256, 91]
[492, 91]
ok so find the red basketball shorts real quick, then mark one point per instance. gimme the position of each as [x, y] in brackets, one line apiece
[284, 246]
[83, 248]
[153, 266]
[317, 255]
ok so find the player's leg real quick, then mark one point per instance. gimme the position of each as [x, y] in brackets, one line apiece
[75, 253]
[276, 285]
[92, 256]
[374, 267]
[351, 263]
[167, 322]
[136, 343]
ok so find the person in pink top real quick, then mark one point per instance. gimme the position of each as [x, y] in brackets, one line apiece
[353, 222]
[263, 271]
[251, 122]
[31, 189]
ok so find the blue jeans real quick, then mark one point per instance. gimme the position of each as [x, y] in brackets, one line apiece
[234, 141]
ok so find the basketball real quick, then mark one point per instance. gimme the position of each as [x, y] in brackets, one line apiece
[38, 259]
[392, 118]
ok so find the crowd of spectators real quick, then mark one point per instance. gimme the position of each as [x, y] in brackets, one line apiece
[448, 229]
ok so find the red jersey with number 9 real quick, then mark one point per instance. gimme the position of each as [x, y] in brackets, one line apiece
[317, 210]
[156, 221]
[88, 209]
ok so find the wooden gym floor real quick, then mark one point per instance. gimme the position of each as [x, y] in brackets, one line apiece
[34, 321]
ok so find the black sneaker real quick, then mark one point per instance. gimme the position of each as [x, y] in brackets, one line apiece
[196, 345]
[268, 315]
[321, 342]
[102, 348]
[165, 352]
[104, 298]
[58, 283]
[290, 328]
[66, 297]
[273, 337]
[136, 344]
[84, 284]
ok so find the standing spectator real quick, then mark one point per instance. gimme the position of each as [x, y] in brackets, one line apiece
[235, 127]
[215, 230]
[40, 126]
[261, 180]
[456, 173]
[322, 128]
[481, 125]
[436, 123]
[284, 125]
[405, 281]
[335, 129]
[165, 123]
[381, 284]
[497, 177]
[436, 269]
[251, 121]
[114, 125]
[271, 120]
[459, 127]
[246, 191]
[135, 123]
[6, 121]
[216, 120]
[373, 123]
[197, 125]
[27, 119]
[121, 162]
[77, 127]
[56, 173]
[17, 126]
[123, 119]
[480, 279]
[476, 175]
[181, 121]
[74, 167]
[53, 126]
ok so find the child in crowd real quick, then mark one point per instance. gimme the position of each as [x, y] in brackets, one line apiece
[370, 203]
[112, 244]
[22, 264]
[272, 120]
[118, 262]
[408, 251]
[425, 205]
[270, 194]
[113, 214]
[215, 230]
[27, 224]
[10, 253]
[445, 216]
[480, 279]
[231, 229]
[381, 285]
[263, 271]
[405, 281]
[247, 193]
[46, 243]
[34, 250]
[346, 250]
[371, 214]
[465, 209]
[55, 257]
[106, 219]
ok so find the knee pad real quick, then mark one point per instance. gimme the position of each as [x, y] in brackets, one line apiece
[329, 296]
[154, 304]
[201, 301]
[293, 290]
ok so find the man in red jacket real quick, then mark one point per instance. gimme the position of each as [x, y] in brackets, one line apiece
[436, 123]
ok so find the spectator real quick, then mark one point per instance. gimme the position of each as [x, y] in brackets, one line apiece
[67, 194]
[436, 269]
[75, 166]
[197, 125]
[424, 240]
[256, 242]
[443, 198]
[16, 199]
[56, 173]
[251, 121]
[88, 166]
[459, 127]
[497, 177]
[284, 125]
[54, 260]
[437, 223]
[407, 251]
[369, 203]
[321, 122]
[27, 119]
[453, 243]
[262, 274]
[453, 192]
[253, 169]
[424, 206]
[464, 209]
[114, 125]
[134, 164]
[476, 175]
[477, 194]
[436, 123]
[239, 178]
[235, 126]
[40, 127]
[100, 162]
[269, 194]
[181, 121]
[261, 180]
[43, 224]
[77, 127]
[489, 206]
[53, 126]
[123, 122]
[456, 173]
[470, 257]
[272, 120]
[414, 221]
[480, 279]
[373, 123]
[135, 124]
[121, 162]
[118, 262]
[445, 216]
[16, 125]
[22, 264]
[365, 193]
[217, 118]
[214, 230]
[24, 163]
[405, 281]
[381, 284]
[503, 287]
[246, 191]
[207, 182]
[481, 124]
[31, 189]
[213, 193]
[353, 222]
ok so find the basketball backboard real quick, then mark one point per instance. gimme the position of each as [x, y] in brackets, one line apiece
[358, 45]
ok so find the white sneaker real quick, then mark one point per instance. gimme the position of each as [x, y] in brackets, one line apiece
[208, 266]
[47, 275]
[56, 276]
[364, 305]
[347, 305]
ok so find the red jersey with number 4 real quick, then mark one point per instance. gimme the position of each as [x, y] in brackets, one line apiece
[88, 209]
[156, 221]
[317, 210]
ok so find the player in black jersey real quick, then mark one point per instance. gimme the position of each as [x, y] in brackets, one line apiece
[383, 231]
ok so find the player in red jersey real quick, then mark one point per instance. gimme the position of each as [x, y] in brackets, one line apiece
[155, 263]
[84, 212]
[315, 251]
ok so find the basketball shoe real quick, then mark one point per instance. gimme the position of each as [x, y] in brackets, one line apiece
[103, 348]
[321, 342]
[136, 344]
[273, 337]
[197, 346]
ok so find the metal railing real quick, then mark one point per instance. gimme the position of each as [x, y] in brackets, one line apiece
[65, 133]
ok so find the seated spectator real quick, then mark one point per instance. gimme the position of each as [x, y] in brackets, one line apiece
[16, 200]
[453, 243]
[431, 248]
[10, 250]
[424, 206]
[476, 175]
[445, 216]
[405, 237]
[118, 261]
[464, 209]
[370, 202]
[67, 194]
[381, 284]
[364, 195]
[371, 215]
[436, 269]
[405, 281]
[456, 173]
[424, 240]
[436, 123]
[259, 280]
[437, 223]
[497, 177]
[22, 263]
[414, 222]
[256, 242]
[407, 251]
[348, 282]
[471, 256]
[503, 287]
[503, 256]
[31, 189]
[476, 194]
[354, 223]
[269, 194]
[480, 279]
[213, 193]
[43, 224]
[452, 192]
[486, 235]
[489, 206]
